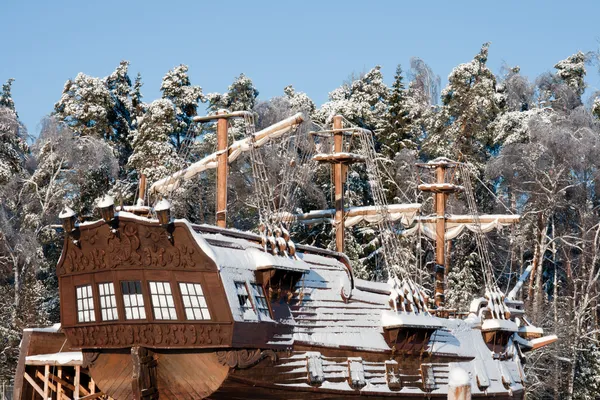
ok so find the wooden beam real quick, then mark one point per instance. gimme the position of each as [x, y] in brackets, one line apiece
[66, 384]
[47, 381]
[35, 386]
[92, 396]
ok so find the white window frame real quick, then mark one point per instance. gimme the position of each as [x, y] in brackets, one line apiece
[85, 304]
[163, 305]
[194, 302]
[108, 301]
[133, 302]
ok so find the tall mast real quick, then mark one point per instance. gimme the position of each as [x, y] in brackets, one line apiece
[340, 160]
[441, 189]
[338, 177]
[222, 170]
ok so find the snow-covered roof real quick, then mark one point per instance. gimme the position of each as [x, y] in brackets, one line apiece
[62, 358]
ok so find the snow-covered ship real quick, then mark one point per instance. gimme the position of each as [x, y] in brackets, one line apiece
[155, 307]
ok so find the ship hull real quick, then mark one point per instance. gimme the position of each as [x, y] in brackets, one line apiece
[253, 375]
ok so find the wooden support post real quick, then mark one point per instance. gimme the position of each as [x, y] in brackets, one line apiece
[46, 381]
[143, 380]
[222, 171]
[76, 382]
[338, 179]
[440, 239]
[92, 386]
[59, 389]
[459, 385]
[142, 187]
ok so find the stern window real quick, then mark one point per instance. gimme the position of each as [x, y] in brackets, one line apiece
[162, 300]
[133, 300]
[260, 300]
[85, 304]
[108, 301]
[194, 302]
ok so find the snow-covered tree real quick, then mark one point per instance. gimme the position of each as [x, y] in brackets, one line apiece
[6, 95]
[362, 101]
[13, 145]
[240, 96]
[153, 153]
[463, 284]
[300, 101]
[85, 106]
[178, 89]
[572, 71]
[397, 133]
[470, 104]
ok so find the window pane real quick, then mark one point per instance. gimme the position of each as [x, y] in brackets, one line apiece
[193, 300]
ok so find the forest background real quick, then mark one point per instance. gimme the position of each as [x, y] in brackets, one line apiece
[532, 144]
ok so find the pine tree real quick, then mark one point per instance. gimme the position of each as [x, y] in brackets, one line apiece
[153, 153]
[572, 71]
[470, 104]
[462, 283]
[6, 96]
[300, 101]
[13, 146]
[241, 95]
[85, 106]
[397, 133]
[362, 101]
[177, 88]
[137, 105]
[121, 115]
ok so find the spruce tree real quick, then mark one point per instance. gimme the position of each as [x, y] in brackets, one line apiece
[397, 133]
[85, 106]
[13, 145]
[153, 152]
[6, 95]
[470, 103]
[177, 88]
[362, 101]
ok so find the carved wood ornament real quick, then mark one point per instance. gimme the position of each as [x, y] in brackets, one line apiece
[244, 358]
[151, 335]
[134, 245]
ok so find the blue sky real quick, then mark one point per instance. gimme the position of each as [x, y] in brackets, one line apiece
[313, 45]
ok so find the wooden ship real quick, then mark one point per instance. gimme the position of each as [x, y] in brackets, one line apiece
[155, 307]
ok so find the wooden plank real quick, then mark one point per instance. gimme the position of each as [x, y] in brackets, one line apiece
[92, 396]
[33, 384]
[39, 375]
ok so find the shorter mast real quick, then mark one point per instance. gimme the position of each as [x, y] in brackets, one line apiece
[340, 161]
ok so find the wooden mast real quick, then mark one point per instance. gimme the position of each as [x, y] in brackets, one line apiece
[338, 178]
[440, 238]
[222, 170]
[441, 189]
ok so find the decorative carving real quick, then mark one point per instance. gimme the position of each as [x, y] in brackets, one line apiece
[135, 244]
[89, 358]
[244, 358]
[150, 335]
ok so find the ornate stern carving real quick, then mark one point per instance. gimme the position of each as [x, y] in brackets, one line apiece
[244, 358]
